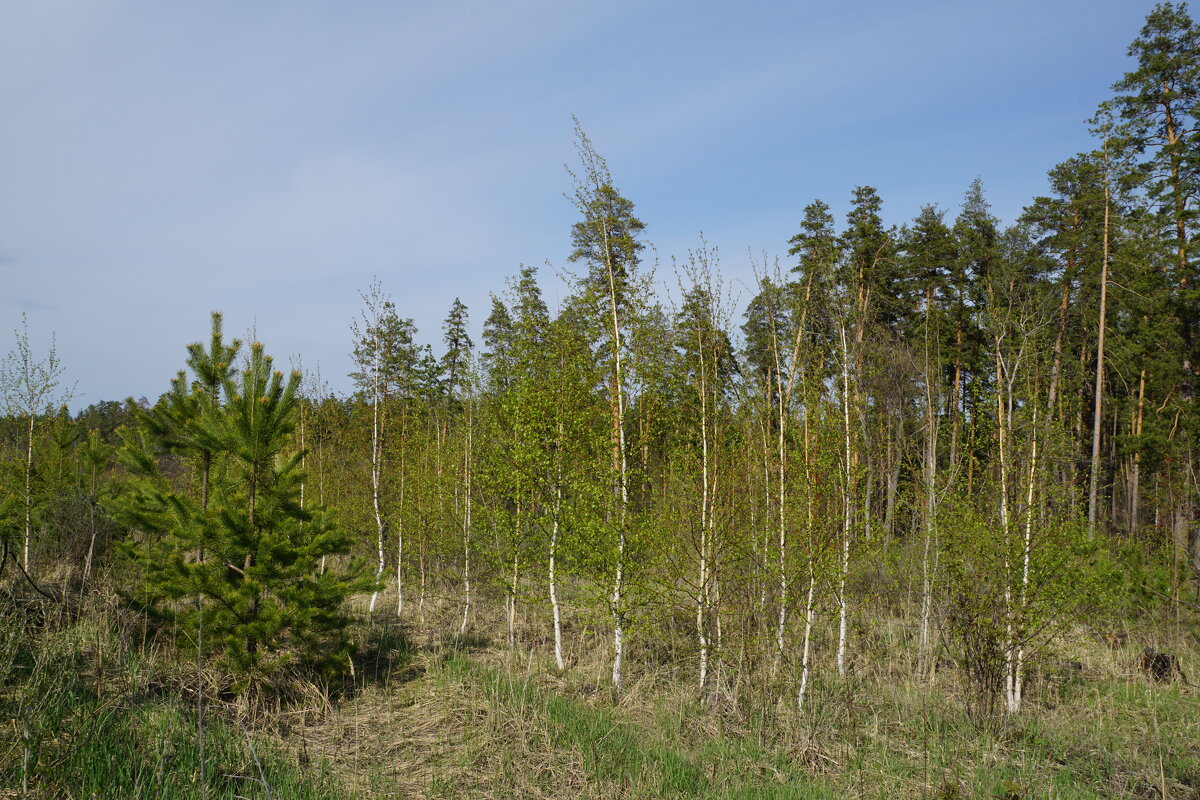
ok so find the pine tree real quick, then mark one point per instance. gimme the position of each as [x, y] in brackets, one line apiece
[869, 274]
[458, 348]
[1159, 107]
[819, 252]
[1159, 103]
[976, 234]
[246, 546]
[498, 339]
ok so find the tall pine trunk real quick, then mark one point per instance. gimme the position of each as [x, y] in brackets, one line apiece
[1098, 395]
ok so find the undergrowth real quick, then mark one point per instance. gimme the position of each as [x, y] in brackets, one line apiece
[96, 714]
[100, 708]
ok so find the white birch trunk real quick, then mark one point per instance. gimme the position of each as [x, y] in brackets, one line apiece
[400, 551]
[783, 407]
[421, 597]
[462, 629]
[1005, 533]
[925, 639]
[925, 642]
[702, 598]
[512, 604]
[376, 466]
[1015, 700]
[843, 572]
[617, 608]
[809, 610]
[781, 623]
[28, 492]
[765, 560]
[555, 610]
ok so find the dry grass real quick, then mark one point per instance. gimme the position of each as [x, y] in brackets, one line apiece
[434, 715]
[476, 719]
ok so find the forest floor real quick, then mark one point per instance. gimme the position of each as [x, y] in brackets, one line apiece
[95, 712]
[471, 719]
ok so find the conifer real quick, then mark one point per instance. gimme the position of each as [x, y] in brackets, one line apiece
[244, 545]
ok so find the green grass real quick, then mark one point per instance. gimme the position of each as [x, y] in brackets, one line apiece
[638, 762]
[152, 752]
[94, 713]
[95, 717]
[1111, 733]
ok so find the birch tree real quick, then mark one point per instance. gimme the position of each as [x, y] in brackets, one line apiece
[607, 242]
[385, 360]
[708, 366]
[31, 387]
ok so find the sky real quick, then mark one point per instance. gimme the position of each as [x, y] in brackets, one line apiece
[269, 160]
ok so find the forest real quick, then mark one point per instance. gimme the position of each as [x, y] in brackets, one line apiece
[921, 518]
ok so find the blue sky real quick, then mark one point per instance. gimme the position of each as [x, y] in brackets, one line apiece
[160, 160]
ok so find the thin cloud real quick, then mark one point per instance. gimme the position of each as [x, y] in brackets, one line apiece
[268, 160]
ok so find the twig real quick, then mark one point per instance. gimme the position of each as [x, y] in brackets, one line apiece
[262, 775]
[39, 589]
[1176, 600]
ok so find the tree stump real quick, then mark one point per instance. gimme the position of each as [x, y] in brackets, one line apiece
[1160, 667]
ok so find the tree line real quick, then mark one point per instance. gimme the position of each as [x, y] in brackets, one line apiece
[985, 432]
